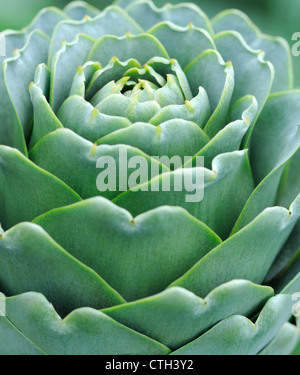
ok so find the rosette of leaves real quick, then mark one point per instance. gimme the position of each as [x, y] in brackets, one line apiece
[86, 270]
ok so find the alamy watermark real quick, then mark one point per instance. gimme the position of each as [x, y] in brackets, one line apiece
[2, 305]
[296, 46]
[145, 175]
[2, 45]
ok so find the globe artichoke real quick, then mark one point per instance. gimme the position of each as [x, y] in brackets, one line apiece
[86, 269]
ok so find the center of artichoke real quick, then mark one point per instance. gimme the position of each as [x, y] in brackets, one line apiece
[150, 107]
[153, 85]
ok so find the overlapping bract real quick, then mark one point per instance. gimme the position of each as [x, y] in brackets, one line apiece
[131, 269]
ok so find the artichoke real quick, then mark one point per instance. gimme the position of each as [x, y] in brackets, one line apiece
[130, 267]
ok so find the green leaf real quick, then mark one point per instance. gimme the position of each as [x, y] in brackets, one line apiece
[226, 190]
[112, 21]
[277, 49]
[26, 190]
[227, 140]
[140, 47]
[170, 93]
[44, 119]
[171, 138]
[249, 67]
[147, 74]
[129, 107]
[182, 43]
[165, 67]
[177, 316]
[83, 332]
[11, 132]
[76, 154]
[42, 79]
[285, 342]
[241, 256]
[244, 108]
[26, 249]
[77, 10]
[287, 259]
[210, 71]
[87, 121]
[289, 273]
[123, 3]
[18, 73]
[110, 88]
[263, 196]
[46, 20]
[291, 186]
[113, 71]
[230, 138]
[64, 66]
[293, 285]
[297, 349]
[196, 110]
[13, 40]
[267, 155]
[239, 335]
[147, 14]
[160, 245]
[269, 158]
[13, 342]
[82, 78]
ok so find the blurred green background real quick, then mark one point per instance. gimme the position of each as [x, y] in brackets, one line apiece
[275, 17]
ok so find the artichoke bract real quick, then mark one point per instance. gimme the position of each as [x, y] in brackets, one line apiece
[96, 257]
